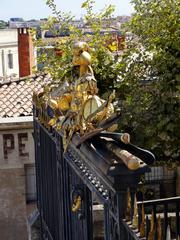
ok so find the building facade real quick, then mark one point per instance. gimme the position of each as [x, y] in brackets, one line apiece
[17, 54]
[9, 63]
[17, 177]
[17, 167]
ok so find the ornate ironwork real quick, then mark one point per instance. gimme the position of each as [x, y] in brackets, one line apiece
[77, 156]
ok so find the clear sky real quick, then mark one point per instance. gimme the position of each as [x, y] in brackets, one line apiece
[36, 9]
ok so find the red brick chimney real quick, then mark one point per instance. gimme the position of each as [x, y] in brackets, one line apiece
[25, 52]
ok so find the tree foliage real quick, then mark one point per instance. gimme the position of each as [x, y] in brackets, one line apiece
[60, 66]
[3, 24]
[151, 79]
[146, 76]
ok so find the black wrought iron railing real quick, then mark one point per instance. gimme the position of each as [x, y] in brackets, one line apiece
[63, 177]
[68, 182]
[160, 183]
[167, 212]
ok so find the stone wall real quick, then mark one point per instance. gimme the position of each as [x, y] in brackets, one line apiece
[12, 204]
[16, 150]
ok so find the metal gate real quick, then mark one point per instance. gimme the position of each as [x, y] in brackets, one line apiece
[67, 181]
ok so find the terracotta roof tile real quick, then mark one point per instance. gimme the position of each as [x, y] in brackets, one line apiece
[16, 96]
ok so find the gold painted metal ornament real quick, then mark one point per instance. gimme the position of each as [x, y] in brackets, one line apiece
[75, 106]
[152, 227]
[64, 102]
[142, 225]
[128, 211]
[159, 229]
[76, 204]
[135, 215]
[132, 162]
[82, 109]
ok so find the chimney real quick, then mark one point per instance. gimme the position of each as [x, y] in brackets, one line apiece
[25, 52]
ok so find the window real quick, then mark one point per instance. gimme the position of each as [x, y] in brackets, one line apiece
[30, 182]
[10, 60]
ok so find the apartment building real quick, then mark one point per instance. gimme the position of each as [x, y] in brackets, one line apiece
[16, 53]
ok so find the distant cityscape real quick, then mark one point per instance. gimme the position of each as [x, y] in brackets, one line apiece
[10, 41]
[18, 22]
[18, 58]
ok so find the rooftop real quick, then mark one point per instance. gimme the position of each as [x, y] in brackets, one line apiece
[16, 96]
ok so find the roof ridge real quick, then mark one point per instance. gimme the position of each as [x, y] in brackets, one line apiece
[17, 80]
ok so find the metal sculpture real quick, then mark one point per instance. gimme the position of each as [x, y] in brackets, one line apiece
[75, 107]
[78, 154]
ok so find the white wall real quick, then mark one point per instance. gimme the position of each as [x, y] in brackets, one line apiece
[8, 44]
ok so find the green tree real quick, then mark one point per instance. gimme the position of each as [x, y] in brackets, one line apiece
[146, 76]
[150, 78]
[3, 24]
[60, 66]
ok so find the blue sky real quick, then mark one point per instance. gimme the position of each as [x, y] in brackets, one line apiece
[36, 9]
